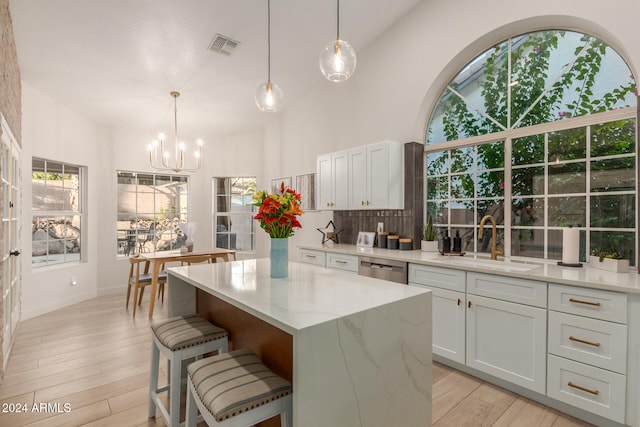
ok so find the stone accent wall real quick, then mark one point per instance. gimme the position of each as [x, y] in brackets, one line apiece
[11, 109]
[406, 222]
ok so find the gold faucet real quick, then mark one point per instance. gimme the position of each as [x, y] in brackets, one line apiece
[494, 235]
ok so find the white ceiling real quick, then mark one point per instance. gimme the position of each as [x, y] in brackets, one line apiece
[115, 61]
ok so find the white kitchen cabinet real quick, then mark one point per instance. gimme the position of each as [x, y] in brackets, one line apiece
[332, 181]
[507, 340]
[367, 177]
[310, 256]
[342, 262]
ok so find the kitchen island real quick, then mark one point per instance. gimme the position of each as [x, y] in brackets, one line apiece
[357, 350]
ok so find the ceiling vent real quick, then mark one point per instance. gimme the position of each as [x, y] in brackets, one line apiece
[223, 45]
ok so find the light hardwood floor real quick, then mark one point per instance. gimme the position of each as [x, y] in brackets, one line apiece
[94, 357]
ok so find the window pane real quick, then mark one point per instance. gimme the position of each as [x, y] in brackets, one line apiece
[466, 235]
[555, 245]
[439, 212]
[438, 163]
[528, 211]
[622, 242]
[528, 150]
[462, 212]
[462, 159]
[462, 186]
[527, 243]
[613, 175]
[491, 156]
[567, 178]
[438, 188]
[566, 211]
[613, 211]
[568, 144]
[613, 138]
[491, 184]
[527, 181]
[71, 185]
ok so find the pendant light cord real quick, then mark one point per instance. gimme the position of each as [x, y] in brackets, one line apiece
[269, 40]
[338, 21]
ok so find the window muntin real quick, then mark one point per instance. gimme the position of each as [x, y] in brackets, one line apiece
[233, 212]
[150, 209]
[57, 212]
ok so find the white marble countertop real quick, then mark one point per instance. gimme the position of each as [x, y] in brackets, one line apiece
[310, 296]
[547, 271]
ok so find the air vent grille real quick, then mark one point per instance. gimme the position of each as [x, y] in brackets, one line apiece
[223, 45]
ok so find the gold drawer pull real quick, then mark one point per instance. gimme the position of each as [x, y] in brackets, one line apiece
[594, 392]
[310, 256]
[595, 344]
[340, 262]
[577, 301]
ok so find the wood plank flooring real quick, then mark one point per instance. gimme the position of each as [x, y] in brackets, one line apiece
[94, 357]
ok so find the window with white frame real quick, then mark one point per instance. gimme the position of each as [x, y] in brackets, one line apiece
[234, 227]
[57, 191]
[540, 132]
[150, 209]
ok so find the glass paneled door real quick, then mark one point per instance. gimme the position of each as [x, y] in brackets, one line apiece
[11, 229]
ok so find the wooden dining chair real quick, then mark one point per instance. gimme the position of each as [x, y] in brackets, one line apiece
[138, 281]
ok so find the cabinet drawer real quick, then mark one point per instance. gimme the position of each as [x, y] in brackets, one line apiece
[438, 277]
[592, 389]
[310, 256]
[522, 291]
[604, 305]
[343, 262]
[596, 342]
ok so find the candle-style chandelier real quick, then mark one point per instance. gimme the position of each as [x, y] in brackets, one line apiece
[179, 147]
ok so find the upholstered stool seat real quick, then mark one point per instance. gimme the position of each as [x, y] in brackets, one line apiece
[236, 389]
[180, 338]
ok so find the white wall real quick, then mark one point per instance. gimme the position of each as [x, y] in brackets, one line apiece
[54, 132]
[398, 79]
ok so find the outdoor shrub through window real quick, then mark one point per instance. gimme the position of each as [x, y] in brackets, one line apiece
[540, 132]
[150, 209]
[57, 212]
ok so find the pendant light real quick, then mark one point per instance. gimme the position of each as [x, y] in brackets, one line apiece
[338, 59]
[268, 95]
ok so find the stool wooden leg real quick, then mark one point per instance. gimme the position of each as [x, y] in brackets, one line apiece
[174, 390]
[192, 408]
[153, 383]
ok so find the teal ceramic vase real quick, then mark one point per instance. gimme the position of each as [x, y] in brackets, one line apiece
[279, 257]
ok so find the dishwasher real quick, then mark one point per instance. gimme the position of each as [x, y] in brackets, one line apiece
[380, 268]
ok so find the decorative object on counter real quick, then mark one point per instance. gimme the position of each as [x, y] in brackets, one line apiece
[406, 244]
[329, 234]
[382, 239]
[393, 242]
[609, 261]
[457, 243]
[277, 215]
[429, 242]
[570, 248]
[446, 242]
[189, 230]
[365, 239]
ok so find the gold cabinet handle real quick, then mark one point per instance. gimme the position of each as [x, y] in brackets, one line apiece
[595, 344]
[309, 256]
[361, 202]
[577, 301]
[340, 262]
[587, 390]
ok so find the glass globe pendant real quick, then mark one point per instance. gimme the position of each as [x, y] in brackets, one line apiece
[268, 97]
[338, 61]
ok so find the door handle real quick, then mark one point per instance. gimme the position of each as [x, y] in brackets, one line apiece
[14, 253]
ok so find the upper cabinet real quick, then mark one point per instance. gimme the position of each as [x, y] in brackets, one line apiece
[368, 177]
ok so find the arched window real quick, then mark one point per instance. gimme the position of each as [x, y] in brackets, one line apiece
[540, 132]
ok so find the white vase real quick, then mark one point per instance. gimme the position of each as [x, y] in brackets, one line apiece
[189, 244]
[610, 264]
[429, 245]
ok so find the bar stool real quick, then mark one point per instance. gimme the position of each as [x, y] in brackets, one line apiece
[236, 389]
[180, 338]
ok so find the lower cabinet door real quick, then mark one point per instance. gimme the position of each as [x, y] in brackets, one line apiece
[508, 341]
[448, 308]
[592, 389]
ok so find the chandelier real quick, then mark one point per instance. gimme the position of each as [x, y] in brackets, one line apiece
[178, 149]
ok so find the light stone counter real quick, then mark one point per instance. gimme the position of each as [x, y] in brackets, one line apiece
[547, 271]
[361, 346]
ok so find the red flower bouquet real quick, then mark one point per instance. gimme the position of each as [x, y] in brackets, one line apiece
[277, 212]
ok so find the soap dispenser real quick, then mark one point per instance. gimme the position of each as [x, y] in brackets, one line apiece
[457, 243]
[446, 242]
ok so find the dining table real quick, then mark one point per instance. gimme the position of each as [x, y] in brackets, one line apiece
[159, 258]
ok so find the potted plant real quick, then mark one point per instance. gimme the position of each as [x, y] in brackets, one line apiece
[609, 260]
[429, 242]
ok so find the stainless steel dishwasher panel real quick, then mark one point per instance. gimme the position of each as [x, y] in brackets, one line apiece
[380, 268]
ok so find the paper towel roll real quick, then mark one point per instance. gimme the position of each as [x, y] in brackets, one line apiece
[570, 246]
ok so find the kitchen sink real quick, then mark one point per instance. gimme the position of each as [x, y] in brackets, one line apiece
[494, 264]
